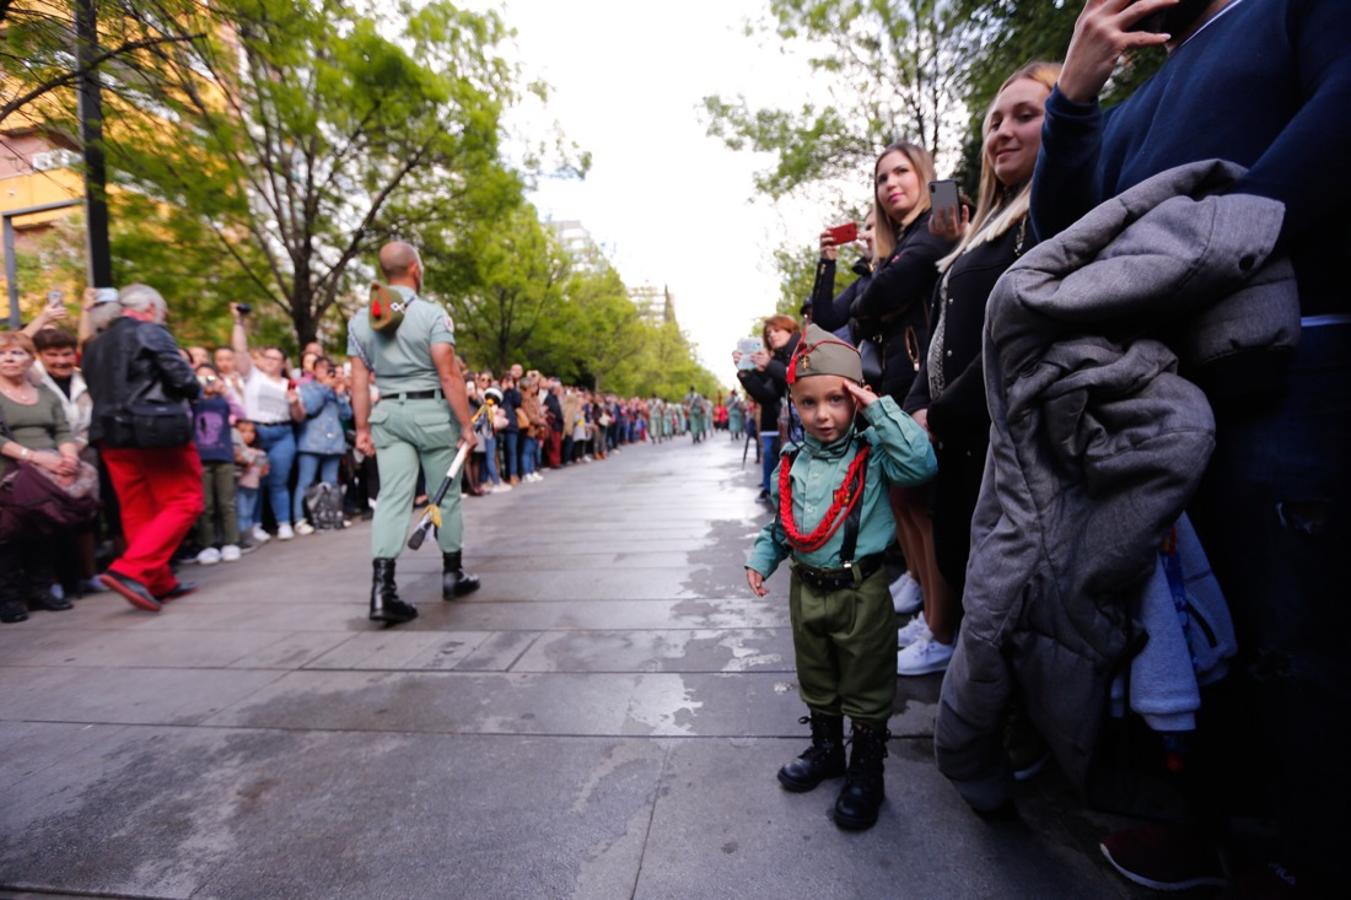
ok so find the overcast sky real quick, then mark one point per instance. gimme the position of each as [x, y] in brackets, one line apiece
[668, 204]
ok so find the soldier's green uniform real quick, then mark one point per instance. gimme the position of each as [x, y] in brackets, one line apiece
[844, 626]
[411, 423]
[695, 405]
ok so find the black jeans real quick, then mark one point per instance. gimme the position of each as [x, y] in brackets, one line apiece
[1274, 516]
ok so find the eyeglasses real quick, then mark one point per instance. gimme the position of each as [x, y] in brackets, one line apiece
[275, 357]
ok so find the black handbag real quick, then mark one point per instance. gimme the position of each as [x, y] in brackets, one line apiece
[870, 351]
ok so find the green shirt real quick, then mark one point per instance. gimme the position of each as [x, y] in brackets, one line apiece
[402, 361]
[41, 426]
[901, 454]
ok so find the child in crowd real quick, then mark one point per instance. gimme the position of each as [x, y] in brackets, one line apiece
[835, 522]
[217, 533]
[251, 467]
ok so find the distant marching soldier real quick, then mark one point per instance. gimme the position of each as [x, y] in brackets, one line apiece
[408, 344]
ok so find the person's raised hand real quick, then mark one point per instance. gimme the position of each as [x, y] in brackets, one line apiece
[757, 582]
[761, 359]
[1102, 33]
[949, 223]
[829, 249]
[736, 357]
[861, 393]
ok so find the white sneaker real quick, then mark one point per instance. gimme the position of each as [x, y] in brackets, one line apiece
[303, 527]
[906, 596]
[208, 557]
[260, 535]
[285, 532]
[229, 553]
[912, 631]
[501, 488]
[924, 657]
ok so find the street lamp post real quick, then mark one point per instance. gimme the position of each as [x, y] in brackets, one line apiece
[91, 136]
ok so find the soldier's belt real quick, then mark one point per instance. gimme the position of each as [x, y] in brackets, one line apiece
[838, 579]
[434, 394]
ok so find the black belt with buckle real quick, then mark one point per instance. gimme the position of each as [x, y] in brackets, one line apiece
[838, 579]
[434, 394]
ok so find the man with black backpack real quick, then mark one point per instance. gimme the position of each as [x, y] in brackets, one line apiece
[142, 425]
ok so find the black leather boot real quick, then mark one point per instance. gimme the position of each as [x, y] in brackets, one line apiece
[455, 581]
[823, 759]
[385, 603]
[863, 792]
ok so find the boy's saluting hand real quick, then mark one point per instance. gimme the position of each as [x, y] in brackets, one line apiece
[757, 582]
[860, 392]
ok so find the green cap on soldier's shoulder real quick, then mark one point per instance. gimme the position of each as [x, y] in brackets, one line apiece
[821, 353]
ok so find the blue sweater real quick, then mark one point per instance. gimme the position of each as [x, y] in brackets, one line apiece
[1267, 85]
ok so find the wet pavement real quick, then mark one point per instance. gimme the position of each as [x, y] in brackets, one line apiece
[603, 719]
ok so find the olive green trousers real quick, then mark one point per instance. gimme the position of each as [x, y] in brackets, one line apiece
[844, 642]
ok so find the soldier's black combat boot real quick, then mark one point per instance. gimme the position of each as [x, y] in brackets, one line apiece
[823, 759]
[455, 581]
[863, 792]
[385, 603]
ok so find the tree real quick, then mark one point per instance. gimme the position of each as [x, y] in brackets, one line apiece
[504, 283]
[278, 151]
[39, 46]
[892, 70]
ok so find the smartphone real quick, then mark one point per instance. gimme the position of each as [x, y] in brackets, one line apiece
[844, 234]
[55, 298]
[943, 195]
[244, 308]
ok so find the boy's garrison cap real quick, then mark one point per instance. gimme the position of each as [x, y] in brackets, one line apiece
[821, 353]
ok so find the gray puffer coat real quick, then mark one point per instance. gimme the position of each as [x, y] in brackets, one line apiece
[1096, 447]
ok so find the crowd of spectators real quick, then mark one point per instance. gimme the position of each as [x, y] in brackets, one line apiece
[274, 443]
[1131, 354]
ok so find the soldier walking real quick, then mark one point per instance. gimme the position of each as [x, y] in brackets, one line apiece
[408, 344]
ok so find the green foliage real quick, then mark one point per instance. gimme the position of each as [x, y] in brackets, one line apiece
[892, 71]
[518, 297]
[797, 275]
[281, 149]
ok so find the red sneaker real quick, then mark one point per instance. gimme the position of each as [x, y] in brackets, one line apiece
[1165, 857]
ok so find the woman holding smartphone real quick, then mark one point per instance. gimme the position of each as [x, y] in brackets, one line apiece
[889, 307]
[948, 396]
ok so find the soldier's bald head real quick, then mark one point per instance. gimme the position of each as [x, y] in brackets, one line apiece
[397, 259]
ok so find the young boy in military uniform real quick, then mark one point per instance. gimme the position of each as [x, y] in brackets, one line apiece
[835, 522]
[408, 344]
